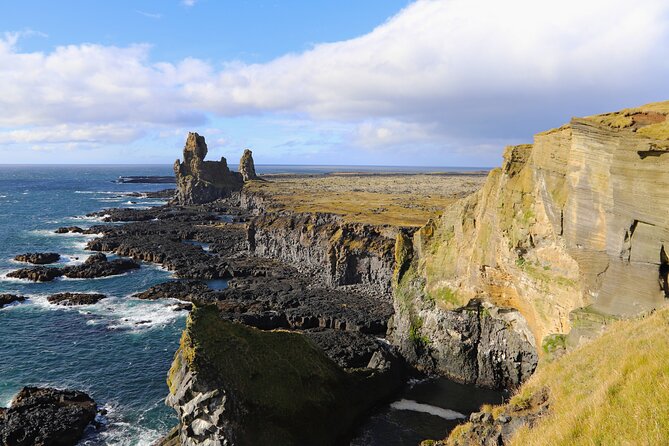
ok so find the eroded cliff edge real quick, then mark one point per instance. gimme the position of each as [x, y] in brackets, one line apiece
[570, 231]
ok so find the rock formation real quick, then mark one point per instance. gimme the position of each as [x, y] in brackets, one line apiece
[234, 384]
[8, 299]
[38, 258]
[43, 416]
[200, 181]
[246, 166]
[572, 232]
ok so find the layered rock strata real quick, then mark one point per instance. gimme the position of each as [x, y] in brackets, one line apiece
[570, 232]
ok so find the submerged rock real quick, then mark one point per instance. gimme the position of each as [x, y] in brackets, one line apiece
[69, 230]
[45, 416]
[38, 258]
[7, 299]
[200, 181]
[69, 299]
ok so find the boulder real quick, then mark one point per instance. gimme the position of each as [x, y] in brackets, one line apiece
[38, 258]
[69, 299]
[45, 416]
[6, 299]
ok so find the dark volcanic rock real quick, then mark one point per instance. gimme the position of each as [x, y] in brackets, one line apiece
[48, 417]
[182, 290]
[200, 181]
[69, 299]
[6, 299]
[69, 229]
[95, 266]
[36, 274]
[38, 258]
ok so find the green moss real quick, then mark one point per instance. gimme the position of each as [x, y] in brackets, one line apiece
[553, 343]
[419, 340]
[283, 388]
[445, 296]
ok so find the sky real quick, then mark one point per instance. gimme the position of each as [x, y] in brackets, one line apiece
[346, 82]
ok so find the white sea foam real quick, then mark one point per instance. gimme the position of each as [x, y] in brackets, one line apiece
[415, 406]
[3, 196]
[132, 314]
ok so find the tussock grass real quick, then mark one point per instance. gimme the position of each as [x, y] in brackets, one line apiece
[612, 391]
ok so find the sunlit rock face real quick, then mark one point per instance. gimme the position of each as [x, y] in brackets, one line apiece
[572, 231]
[200, 181]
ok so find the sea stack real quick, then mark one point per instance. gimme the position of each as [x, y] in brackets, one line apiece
[200, 181]
[246, 166]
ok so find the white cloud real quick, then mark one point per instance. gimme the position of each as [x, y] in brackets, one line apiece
[189, 3]
[150, 15]
[438, 72]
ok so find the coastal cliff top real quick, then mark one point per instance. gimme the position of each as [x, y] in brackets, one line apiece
[648, 120]
[393, 199]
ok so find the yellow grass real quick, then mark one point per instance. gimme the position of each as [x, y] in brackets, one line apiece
[613, 391]
[397, 200]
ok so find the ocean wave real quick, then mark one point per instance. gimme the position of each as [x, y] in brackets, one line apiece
[138, 315]
[117, 431]
[415, 406]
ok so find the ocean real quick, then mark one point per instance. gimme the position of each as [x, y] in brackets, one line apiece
[119, 350]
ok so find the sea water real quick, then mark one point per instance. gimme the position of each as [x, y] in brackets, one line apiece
[120, 349]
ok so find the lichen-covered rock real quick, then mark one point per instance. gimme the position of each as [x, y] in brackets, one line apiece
[246, 166]
[200, 181]
[237, 385]
[48, 417]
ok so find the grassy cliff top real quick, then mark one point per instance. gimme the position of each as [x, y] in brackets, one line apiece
[614, 390]
[394, 199]
[649, 120]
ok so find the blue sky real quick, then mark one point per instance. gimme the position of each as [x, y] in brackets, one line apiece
[383, 82]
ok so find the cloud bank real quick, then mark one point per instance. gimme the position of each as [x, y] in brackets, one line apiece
[441, 73]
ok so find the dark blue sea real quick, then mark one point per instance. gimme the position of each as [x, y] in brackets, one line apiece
[120, 349]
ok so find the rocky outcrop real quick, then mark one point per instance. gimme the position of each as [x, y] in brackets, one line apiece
[44, 416]
[38, 258]
[69, 299]
[200, 181]
[8, 299]
[96, 265]
[237, 385]
[246, 167]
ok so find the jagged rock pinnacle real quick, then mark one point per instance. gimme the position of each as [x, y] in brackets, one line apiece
[246, 166]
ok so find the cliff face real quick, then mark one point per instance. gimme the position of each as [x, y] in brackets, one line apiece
[339, 252]
[200, 181]
[571, 231]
